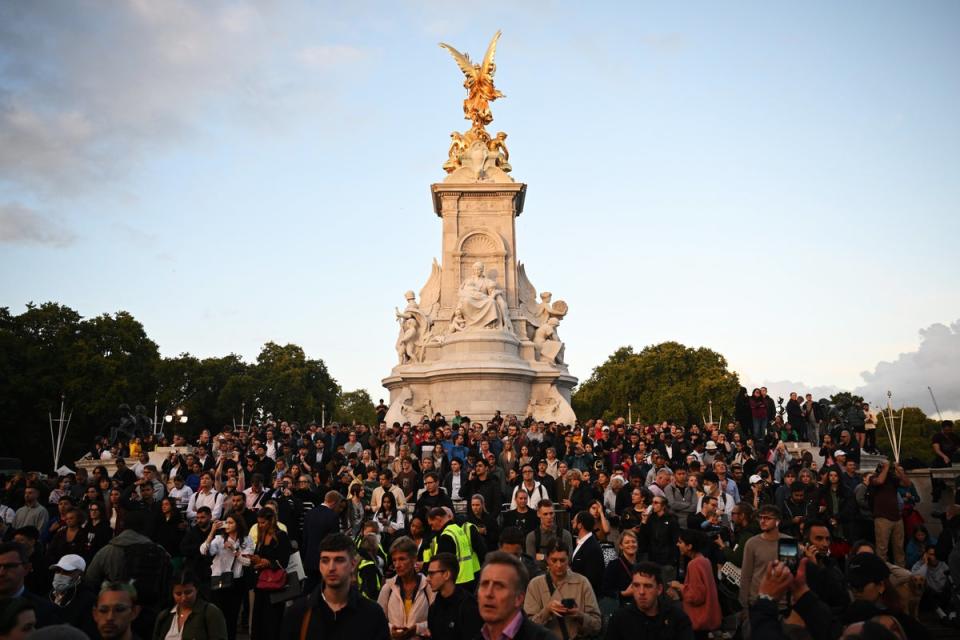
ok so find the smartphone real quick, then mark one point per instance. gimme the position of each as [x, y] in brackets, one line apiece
[569, 603]
[788, 552]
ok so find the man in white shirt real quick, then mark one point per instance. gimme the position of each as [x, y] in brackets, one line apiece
[534, 489]
[206, 497]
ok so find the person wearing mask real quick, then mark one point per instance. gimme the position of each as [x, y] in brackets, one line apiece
[698, 592]
[406, 597]
[191, 617]
[561, 600]
[453, 613]
[652, 615]
[335, 610]
[69, 594]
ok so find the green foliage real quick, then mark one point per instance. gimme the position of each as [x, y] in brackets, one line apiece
[915, 439]
[844, 400]
[663, 382]
[96, 364]
[356, 407]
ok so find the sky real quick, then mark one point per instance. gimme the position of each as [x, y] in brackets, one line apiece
[775, 181]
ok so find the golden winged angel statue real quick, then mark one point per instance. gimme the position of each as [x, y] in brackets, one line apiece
[478, 83]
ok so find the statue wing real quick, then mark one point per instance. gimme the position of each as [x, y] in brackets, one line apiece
[430, 294]
[526, 292]
[487, 68]
[462, 59]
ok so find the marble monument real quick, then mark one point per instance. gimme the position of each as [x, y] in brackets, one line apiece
[478, 339]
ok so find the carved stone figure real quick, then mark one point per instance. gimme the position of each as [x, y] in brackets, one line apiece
[482, 303]
[547, 343]
[457, 323]
[414, 329]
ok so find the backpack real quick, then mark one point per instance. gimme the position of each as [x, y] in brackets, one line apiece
[149, 566]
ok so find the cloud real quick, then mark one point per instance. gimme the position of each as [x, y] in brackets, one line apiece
[330, 55]
[22, 225]
[91, 90]
[935, 363]
[783, 388]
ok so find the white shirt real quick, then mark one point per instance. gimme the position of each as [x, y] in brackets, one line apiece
[580, 542]
[214, 500]
[174, 632]
[225, 559]
[181, 495]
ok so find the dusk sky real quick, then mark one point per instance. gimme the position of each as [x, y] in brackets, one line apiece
[779, 182]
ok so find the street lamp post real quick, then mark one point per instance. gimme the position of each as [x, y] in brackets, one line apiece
[629, 413]
[176, 418]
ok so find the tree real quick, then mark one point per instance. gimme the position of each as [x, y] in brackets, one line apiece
[667, 381]
[356, 407]
[291, 386]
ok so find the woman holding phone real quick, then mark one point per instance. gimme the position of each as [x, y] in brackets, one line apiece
[231, 549]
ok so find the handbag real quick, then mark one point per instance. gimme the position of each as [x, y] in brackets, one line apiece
[272, 579]
[222, 581]
[291, 590]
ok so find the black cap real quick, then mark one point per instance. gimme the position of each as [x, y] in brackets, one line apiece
[866, 568]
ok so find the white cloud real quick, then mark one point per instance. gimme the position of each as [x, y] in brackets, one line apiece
[330, 55]
[935, 363]
[91, 90]
[22, 225]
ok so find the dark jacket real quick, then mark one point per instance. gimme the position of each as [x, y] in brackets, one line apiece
[529, 630]
[670, 623]
[205, 622]
[455, 617]
[361, 619]
[766, 625]
[317, 524]
[588, 562]
[658, 537]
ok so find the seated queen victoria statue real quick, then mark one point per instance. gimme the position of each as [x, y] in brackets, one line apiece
[482, 303]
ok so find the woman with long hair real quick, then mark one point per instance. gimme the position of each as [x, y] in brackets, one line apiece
[601, 527]
[389, 517]
[96, 530]
[632, 517]
[170, 529]
[69, 538]
[356, 510]
[192, 617]
[115, 511]
[231, 548]
[485, 523]
[270, 556]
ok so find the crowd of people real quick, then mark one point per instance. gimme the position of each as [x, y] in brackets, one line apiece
[505, 527]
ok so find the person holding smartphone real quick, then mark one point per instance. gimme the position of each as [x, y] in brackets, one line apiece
[561, 600]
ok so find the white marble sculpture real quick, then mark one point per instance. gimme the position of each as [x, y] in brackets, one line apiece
[547, 343]
[414, 330]
[482, 304]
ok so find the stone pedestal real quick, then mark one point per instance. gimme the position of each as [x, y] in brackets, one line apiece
[485, 367]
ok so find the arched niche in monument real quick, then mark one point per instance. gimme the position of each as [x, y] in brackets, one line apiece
[482, 246]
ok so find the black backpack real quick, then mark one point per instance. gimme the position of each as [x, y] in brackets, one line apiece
[149, 566]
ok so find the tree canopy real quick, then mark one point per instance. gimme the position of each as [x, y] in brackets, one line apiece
[663, 381]
[49, 351]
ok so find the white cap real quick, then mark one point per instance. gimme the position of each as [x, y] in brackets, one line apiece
[70, 562]
[839, 452]
[754, 479]
[711, 445]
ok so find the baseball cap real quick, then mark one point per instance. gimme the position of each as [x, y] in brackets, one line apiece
[839, 452]
[754, 479]
[70, 562]
[866, 568]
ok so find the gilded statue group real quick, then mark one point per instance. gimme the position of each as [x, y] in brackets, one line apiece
[476, 108]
